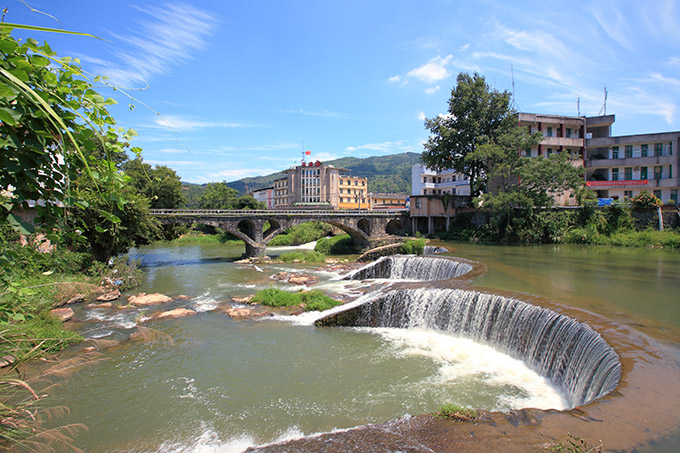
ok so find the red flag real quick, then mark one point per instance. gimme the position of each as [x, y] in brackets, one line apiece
[307, 153]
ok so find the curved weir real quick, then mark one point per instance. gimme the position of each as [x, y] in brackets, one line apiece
[569, 353]
[408, 267]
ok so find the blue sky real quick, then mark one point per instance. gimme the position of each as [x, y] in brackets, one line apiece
[237, 88]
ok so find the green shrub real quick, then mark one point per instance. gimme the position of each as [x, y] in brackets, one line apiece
[575, 444]
[413, 246]
[303, 257]
[302, 234]
[645, 200]
[337, 245]
[313, 300]
[454, 412]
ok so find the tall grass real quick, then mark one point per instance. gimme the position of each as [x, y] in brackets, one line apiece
[313, 300]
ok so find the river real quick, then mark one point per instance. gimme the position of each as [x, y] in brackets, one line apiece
[225, 385]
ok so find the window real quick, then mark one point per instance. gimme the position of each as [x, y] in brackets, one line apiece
[658, 171]
[356, 183]
[628, 173]
[628, 194]
[643, 151]
[674, 195]
[643, 172]
[568, 132]
[615, 174]
[615, 152]
[658, 149]
[550, 132]
[657, 194]
[419, 203]
[550, 151]
[629, 151]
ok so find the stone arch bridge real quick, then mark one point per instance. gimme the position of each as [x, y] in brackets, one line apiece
[365, 227]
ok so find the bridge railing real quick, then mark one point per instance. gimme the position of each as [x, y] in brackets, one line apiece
[270, 213]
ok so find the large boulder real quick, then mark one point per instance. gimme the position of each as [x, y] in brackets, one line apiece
[63, 314]
[144, 300]
[176, 313]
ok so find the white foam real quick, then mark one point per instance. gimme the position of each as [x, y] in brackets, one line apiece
[461, 357]
[209, 442]
[307, 246]
[204, 303]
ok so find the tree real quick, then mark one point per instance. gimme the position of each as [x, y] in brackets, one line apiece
[160, 184]
[477, 115]
[218, 196]
[54, 127]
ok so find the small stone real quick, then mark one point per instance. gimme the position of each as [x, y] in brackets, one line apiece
[242, 300]
[238, 313]
[111, 295]
[182, 297]
[63, 314]
[7, 360]
[103, 305]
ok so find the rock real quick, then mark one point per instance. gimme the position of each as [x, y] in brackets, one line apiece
[303, 280]
[89, 349]
[239, 313]
[78, 298]
[111, 295]
[7, 360]
[282, 276]
[242, 300]
[176, 313]
[63, 314]
[182, 297]
[104, 305]
[143, 300]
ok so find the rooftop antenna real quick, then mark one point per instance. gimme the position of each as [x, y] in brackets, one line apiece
[604, 106]
[514, 103]
[578, 106]
[303, 151]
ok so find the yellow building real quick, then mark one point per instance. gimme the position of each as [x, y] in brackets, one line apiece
[353, 192]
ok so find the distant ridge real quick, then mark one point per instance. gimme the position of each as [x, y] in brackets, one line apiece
[390, 173]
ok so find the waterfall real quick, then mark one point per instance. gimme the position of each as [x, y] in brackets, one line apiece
[569, 353]
[408, 267]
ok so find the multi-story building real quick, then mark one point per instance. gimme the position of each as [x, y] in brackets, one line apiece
[265, 195]
[620, 167]
[387, 201]
[560, 134]
[353, 193]
[425, 181]
[315, 184]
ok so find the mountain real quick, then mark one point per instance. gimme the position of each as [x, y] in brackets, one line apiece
[385, 173]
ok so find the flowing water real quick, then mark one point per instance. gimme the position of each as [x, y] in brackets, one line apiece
[228, 384]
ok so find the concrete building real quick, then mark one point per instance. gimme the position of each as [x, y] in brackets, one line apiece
[387, 201]
[620, 167]
[265, 195]
[425, 181]
[317, 185]
[560, 134]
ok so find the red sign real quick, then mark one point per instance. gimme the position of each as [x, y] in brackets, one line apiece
[637, 182]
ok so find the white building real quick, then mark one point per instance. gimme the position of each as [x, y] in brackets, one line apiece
[425, 181]
[265, 195]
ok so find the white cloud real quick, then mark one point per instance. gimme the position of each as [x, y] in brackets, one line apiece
[320, 113]
[421, 116]
[394, 79]
[464, 47]
[169, 36]
[675, 60]
[432, 71]
[183, 124]
[432, 90]
[387, 147]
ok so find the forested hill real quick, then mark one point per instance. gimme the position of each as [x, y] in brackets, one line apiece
[385, 173]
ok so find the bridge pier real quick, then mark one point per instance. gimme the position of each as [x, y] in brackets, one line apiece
[255, 251]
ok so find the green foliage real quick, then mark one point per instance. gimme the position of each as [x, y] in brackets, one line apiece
[220, 196]
[454, 412]
[54, 126]
[645, 201]
[575, 444]
[337, 245]
[303, 257]
[119, 271]
[313, 300]
[302, 234]
[160, 184]
[477, 115]
[413, 246]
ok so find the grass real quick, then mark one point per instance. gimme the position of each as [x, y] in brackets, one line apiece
[413, 246]
[302, 234]
[303, 257]
[646, 238]
[454, 412]
[313, 300]
[575, 444]
[337, 245]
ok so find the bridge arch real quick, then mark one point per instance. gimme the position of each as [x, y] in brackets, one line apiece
[364, 226]
[393, 227]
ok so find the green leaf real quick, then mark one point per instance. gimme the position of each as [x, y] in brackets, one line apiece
[82, 204]
[52, 30]
[19, 224]
[9, 116]
[100, 229]
[110, 217]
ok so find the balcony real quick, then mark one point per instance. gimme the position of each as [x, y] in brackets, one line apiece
[597, 162]
[567, 142]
